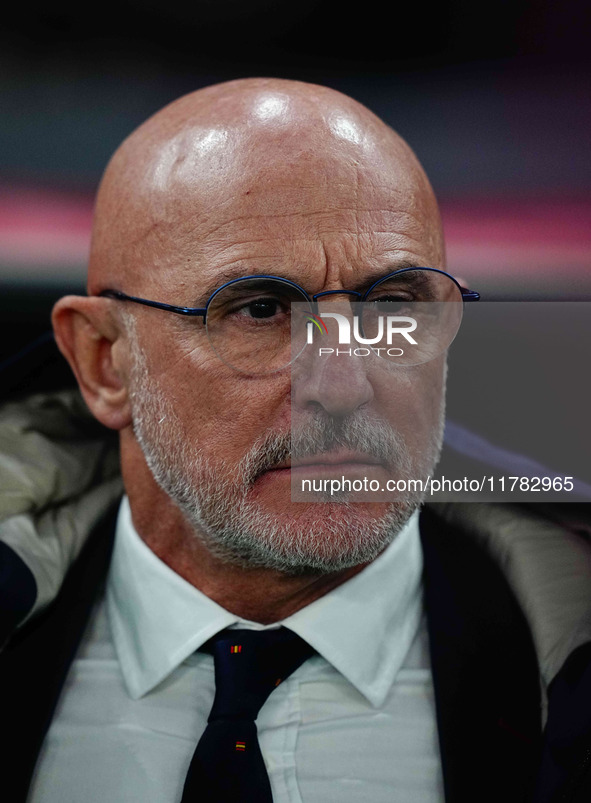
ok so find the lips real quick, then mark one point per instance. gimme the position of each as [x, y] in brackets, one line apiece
[330, 459]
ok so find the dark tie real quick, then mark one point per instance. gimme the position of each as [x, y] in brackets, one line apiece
[227, 766]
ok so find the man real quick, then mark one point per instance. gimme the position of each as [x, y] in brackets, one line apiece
[300, 183]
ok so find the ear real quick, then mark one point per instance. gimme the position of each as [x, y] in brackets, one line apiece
[93, 342]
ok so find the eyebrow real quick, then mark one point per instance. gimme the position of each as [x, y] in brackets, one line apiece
[416, 279]
[229, 275]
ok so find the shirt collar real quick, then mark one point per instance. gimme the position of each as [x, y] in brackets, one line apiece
[157, 618]
[364, 627]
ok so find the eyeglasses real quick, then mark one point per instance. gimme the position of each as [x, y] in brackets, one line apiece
[259, 324]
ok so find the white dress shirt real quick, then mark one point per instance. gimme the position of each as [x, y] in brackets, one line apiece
[355, 722]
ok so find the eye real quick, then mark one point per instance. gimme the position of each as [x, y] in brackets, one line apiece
[261, 308]
[390, 302]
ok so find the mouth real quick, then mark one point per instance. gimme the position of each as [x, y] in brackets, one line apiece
[330, 461]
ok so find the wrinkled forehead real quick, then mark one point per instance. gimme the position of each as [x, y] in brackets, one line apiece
[269, 170]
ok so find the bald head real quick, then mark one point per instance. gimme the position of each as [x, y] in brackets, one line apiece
[174, 188]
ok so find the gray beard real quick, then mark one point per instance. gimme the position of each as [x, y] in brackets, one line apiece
[328, 536]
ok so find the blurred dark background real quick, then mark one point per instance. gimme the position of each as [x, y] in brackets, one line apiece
[494, 98]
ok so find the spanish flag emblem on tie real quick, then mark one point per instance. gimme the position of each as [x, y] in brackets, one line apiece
[241, 746]
[236, 648]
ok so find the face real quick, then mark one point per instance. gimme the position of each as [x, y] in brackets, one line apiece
[219, 442]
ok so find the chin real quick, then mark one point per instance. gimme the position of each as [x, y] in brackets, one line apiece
[316, 538]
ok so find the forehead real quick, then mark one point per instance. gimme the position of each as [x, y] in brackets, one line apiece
[312, 211]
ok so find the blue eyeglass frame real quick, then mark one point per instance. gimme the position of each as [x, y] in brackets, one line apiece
[467, 295]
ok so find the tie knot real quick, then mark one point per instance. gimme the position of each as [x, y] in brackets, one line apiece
[249, 664]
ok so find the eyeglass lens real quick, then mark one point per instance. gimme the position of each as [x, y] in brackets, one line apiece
[249, 324]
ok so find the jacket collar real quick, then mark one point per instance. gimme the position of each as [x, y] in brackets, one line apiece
[485, 670]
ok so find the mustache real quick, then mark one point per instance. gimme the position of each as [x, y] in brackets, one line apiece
[323, 434]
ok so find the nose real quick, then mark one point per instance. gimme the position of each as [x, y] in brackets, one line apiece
[333, 374]
[337, 383]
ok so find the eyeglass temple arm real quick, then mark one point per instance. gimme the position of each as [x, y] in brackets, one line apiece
[191, 311]
[469, 295]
